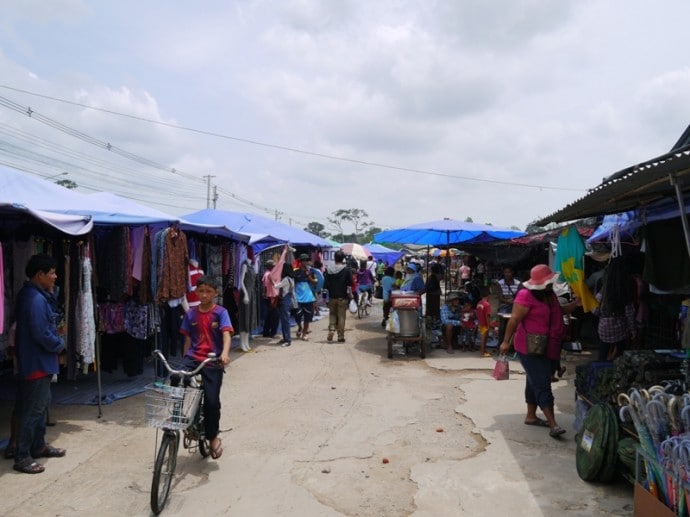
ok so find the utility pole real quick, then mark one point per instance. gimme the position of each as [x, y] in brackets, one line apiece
[208, 190]
[215, 195]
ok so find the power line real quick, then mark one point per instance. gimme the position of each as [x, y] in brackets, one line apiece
[26, 110]
[300, 151]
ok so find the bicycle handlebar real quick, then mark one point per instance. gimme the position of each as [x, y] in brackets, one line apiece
[212, 358]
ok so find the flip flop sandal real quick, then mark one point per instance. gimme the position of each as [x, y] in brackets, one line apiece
[9, 452]
[218, 451]
[539, 422]
[49, 452]
[556, 432]
[29, 467]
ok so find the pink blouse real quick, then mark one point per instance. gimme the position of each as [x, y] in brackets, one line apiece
[541, 319]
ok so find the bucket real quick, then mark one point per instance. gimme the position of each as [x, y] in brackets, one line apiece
[409, 322]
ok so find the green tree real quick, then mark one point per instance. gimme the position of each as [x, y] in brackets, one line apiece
[354, 216]
[337, 221]
[369, 235]
[317, 229]
[67, 184]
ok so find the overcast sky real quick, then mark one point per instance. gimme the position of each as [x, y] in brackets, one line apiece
[499, 110]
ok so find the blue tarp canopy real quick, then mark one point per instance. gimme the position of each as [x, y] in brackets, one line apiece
[264, 232]
[13, 214]
[388, 255]
[628, 222]
[625, 222]
[446, 232]
[23, 196]
[57, 205]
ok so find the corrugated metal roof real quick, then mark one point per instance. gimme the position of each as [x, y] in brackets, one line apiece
[630, 188]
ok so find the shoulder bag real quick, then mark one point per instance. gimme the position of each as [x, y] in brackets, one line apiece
[537, 344]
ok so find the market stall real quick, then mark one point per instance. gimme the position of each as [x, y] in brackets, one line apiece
[647, 386]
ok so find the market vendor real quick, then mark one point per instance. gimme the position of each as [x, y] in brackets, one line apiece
[413, 280]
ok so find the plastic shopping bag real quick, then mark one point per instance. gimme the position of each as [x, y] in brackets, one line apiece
[393, 323]
[353, 306]
[502, 369]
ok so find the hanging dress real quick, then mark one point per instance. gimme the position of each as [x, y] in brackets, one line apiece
[86, 321]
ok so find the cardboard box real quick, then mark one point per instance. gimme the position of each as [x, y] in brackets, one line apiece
[646, 505]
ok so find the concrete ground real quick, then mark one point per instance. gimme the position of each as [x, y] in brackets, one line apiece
[326, 429]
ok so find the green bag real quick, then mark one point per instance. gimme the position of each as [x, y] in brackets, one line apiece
[592, 444]
[610, 466]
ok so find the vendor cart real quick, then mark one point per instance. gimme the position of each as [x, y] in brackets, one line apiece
[412, 330]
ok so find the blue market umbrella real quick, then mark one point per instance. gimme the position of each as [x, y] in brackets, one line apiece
[446, 232]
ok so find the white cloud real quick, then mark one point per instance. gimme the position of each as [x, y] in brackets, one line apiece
[557, 94]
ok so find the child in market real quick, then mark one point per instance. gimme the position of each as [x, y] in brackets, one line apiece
[483, 311]
[399, 279]
[207, 329]
[468, 318]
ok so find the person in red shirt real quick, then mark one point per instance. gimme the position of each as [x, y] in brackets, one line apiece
[468, 319]
[207, 328]
[483, 313]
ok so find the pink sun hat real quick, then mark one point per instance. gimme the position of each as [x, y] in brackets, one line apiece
[540, 276]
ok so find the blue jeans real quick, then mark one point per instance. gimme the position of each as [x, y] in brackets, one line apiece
[538, 380]
[33, 399]
[285, 309]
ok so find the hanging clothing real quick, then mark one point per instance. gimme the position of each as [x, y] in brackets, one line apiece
[137, 319]
[192, 276]
[248, 313]
[173, 267]
[569, 261]
[111, 318]
[86, 322]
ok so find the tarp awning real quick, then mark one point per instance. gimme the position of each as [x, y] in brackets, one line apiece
[54, 204]
[68, 224]
[263, 231]
[630, 188]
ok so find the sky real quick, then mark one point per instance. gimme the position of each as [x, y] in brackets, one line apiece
[502, 111]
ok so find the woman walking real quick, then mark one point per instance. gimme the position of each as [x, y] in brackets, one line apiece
[536, 326]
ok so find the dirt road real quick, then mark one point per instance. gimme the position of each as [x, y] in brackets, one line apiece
[316, 429]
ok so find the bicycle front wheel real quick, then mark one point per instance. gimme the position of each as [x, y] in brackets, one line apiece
[163, 470]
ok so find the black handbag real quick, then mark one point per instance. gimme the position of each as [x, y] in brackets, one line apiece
[378, 292]
[538, 344]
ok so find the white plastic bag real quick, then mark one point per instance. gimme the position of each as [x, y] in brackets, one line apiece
[353, 306]
[393, 323]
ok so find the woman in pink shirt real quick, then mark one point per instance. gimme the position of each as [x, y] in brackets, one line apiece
[536, 311]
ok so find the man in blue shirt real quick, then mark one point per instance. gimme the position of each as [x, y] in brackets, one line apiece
[304, 280]
[318, 286]
[37, 345]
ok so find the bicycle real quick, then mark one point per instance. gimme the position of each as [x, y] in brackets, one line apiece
[174, 409]
[363, 305]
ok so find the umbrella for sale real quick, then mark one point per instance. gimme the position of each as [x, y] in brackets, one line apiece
[356, 250]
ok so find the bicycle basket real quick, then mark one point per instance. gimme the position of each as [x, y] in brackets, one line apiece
[169, 407]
